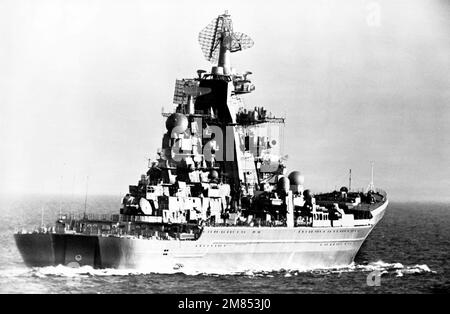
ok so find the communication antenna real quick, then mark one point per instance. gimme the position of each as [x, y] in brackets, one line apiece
[86, 195]
[350, 180]
[60, 196]
[217, 40]
[371, 186]
[282, 138]
[42, 216]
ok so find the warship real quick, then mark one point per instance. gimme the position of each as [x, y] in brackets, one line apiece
[217, 195]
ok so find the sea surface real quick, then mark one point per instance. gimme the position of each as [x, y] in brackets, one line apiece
[408, 252]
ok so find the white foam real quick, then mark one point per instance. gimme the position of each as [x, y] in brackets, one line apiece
[385, 268]
[14, 272]
[65, 271]
[86, 271]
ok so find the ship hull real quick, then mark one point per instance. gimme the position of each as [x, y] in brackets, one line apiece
[227, 249]
[46, 249]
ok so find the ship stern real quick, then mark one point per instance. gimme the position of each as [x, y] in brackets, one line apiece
[49, 249]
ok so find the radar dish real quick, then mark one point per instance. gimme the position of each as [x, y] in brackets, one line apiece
[187, 87]
[208, 39]
[221, 29]
[241, 41]
[179, 97]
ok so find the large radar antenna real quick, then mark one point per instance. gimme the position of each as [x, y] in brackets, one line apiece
[218, 40]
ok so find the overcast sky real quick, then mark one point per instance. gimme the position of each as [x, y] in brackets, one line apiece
[82, 84]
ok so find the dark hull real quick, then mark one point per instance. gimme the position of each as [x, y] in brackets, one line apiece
[39, 250]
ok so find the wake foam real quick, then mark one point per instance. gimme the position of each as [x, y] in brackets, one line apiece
[397, 269]
[14, 272]
[384, 268]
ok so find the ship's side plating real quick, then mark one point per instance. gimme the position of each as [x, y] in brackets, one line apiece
[240, 249]
[218, 248]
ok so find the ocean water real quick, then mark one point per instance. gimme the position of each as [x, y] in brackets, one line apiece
[408, 251]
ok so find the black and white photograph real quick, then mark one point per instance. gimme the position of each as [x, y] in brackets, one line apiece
[224, 148]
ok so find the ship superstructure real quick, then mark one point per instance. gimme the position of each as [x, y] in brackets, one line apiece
[218, 194]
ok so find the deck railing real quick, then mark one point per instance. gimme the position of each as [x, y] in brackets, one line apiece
[111, 218]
